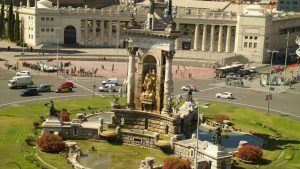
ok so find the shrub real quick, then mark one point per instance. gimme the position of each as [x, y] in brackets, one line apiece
[220, 118]
[42, 119]
[35, 124]
[51, 143]
[250, 153]
[30, 140]
[176, 163]
[64, 115]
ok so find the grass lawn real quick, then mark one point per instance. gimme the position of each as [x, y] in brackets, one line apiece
[16, 124]
[281, 134]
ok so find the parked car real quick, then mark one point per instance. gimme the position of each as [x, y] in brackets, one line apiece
[188, 87]
[69, 84]
[231, 76]
[23, 73]
[29, 92]
[64, 89]
[225, 95]
[110, 81]
[44, 88]
[107, 87]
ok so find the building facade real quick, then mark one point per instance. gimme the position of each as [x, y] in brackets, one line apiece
[288, 5]
[210, 30]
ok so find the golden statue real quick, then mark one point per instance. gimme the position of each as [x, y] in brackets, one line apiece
[149, 86]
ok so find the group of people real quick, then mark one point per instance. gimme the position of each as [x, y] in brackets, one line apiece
[9, 66]
[183, 72]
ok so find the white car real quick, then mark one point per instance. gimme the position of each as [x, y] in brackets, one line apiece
[225, 95]
[23, 73]
[107, 88]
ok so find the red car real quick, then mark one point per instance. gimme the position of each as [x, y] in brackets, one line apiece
[69, 84]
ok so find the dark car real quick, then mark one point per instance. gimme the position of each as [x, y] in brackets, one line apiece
[29, 92]
[44, 88]
[64, 89]
[243, 72]
[188, 87]
[70, 84]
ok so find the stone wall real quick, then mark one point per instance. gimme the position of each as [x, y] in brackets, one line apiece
[69, 132]
[138, 139]
[146, 121]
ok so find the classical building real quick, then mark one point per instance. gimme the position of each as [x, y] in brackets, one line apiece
[288, 5]
[209, 29]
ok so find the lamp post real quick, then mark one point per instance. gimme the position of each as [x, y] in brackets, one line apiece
[197, 137]
[57, 29]
[269, 90]
[286, 55]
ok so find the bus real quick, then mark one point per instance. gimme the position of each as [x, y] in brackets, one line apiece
[222, 71]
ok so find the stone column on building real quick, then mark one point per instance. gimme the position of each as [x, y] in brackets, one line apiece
[196, 37]
[220, 42]
[168, 83]
[102, 33]
[177, 41]
[204, 38]
[94, 33]
[228, 39]
[118, 34]
[86, 32]
[109, 33]
[212, 38]
[131, 77]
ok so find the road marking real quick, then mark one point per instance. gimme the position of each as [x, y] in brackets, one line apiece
[24, 101]
[248, 105]
[81, 86]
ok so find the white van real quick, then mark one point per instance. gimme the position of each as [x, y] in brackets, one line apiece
[110, 81]
[23, 73]
[107, 88]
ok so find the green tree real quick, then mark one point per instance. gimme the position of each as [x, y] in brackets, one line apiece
[2, 27]
[17, 28]
[11, 21]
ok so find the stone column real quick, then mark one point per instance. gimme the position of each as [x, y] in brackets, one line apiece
[109, 32]
[212, 38]
[102, 33]
[220, 42]
[168, 84]
[118, 34]
[177, 41]
[196, 37]
[204, 38]
[85, 32]
[94, 33]
[228, 38]
[131, 77]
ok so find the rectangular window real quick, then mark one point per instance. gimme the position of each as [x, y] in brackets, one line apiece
[43, 30]
[52, 30]
[47, 19]
[250, 45]
[245, 44]
[281, 2]
[75, 132]
[255, 37]
[137, 140]
[246, 37]
[52, 19]
[251, 37]
[254, 45]
[295, 2]
[47, 29]
[43, 18]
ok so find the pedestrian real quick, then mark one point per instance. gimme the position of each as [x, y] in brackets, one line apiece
[177, 67]
[8, 48]
[175, 71]
[31, 49]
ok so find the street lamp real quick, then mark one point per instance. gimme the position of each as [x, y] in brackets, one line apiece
[269, 90]
[197, 136]
[57, 29]
[286, 55]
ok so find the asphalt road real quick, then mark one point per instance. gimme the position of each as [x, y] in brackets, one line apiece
[284, 104]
